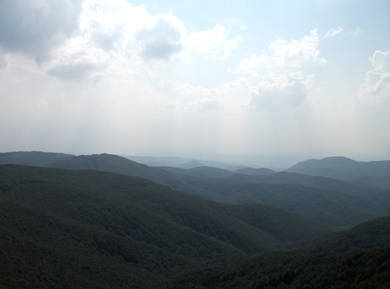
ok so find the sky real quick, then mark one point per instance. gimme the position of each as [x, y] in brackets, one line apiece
[203, 79]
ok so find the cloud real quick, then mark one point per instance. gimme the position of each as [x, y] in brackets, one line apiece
[283, 93]
[376, 87]
[34, 28]
[356, 32]
[213, 41]
[107, 38]
[74, 71]
[3, 61]
[205, 104]
[163, 39]
[333, 32]
[283, 53]
[84, 36]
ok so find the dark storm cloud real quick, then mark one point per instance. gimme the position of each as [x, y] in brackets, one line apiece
[160, 41]
[35, 27]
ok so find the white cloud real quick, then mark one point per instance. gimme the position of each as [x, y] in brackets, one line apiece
[75, 71]
[356, 32]
[282, 93]
[205, 104]
[333, 32]
[3, 60]
[162, 39]
[283, 53]
[76, 39]
[376, 87]
[214, 41]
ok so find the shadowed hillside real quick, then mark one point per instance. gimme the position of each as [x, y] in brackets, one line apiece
[335, 207]
[331, 201]
[355, 258]
[294, 270]
[371, 234]
[92, 228]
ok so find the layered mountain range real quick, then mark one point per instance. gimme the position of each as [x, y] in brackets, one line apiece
[104, 221]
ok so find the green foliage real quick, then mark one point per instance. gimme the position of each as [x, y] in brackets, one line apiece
[98, 227]
[92, 229]
[371, 234]
[334, 207]
[370, 174]
[330, 201]
[32, 158]
[359, 269]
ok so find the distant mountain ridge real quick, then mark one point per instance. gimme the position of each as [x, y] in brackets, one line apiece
[372, 174]
[101, 221]
[328, 200]
[34, 158]
[328, 162]
[191, 165]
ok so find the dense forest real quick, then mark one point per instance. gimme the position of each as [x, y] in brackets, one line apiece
[103, 221]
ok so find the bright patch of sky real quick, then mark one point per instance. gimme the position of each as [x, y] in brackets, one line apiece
[198, 79]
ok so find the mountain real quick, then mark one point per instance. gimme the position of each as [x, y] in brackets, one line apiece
[32, 158]
[355, 258]
[191, 165]
[106, 163]
[159, 161]
[295, 270]
[327, 200]
[199, 172]
[370, 174]
[86, 228]
[311, 181]
[120, 165]
[180, 162]
[334, 207]
[372, 234]
[325, 163]
[93, 229]
[255, 172]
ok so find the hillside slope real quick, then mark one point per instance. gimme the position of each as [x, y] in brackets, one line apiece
[32, 158]
[334, 207]
[372, 234]
[374, 174]
[342, 205]
[295, 270]
[331, 201]
[355, 258]
[101, 227]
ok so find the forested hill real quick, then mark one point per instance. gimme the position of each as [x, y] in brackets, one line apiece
[368, 268]
[32, 158]
[370, 174]
[355, 258]
[79, 229]
[331, 201]
[86, 228]
[371, 234]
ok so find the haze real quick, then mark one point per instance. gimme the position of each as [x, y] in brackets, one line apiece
[302, 79]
